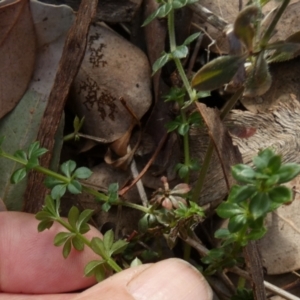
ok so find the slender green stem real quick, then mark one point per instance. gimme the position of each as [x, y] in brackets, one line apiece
[134, 206]
[266, 37]
[67, 180]
[184, 79]
[87, 242]
[70, 136]
[37, 168]
[186, 147]
[172, 39]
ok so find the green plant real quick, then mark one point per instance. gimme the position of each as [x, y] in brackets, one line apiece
[247, 205]
[77, 226]
[171, 210]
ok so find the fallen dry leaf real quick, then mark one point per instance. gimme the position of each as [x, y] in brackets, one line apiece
[277, 128]
[285, 78]
[17, 52]
[228, 154]
[22, 124]
[112, 69]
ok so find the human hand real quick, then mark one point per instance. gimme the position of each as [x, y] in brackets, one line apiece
[31, 267]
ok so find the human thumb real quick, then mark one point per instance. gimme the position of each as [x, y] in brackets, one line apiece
[171, 279]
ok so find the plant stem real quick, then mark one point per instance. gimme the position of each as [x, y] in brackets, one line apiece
[172, 39]
[67, 180]
[37, 168]
[87, 242]
[266, 37]
[186, 147]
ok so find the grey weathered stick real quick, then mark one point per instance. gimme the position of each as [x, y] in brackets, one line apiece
[208, 16]
[69, 65]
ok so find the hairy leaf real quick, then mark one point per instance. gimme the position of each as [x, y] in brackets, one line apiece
[217, 72]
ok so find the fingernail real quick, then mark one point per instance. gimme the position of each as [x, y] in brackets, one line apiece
[171, 279]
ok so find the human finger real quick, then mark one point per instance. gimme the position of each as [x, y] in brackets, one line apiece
[30, 263]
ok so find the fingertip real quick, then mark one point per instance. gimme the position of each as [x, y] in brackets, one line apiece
[172, 279]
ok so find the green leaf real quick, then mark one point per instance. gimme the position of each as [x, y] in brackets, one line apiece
[77, 123]
[172, 125]
[136, 262]
[217, 72]
[261, 161]
[74, 187]
[73, 216]
[52, 206]
[243, 26]
[180, 52]
[256, 234]
[51, 182]
[18, 175]
[20, 154]
[67, 248]
[45, 224]
[183, 170]
[160, 62]
[32, 148]
[203, 94]
[195, 118]
[259, 205]
[191, 38]
[161, 12]
[257, 223]
[143, 224]
[84, 228]
[106, 206]
[62, 237]
[222, 233]
[236, 223]
[216, 253]
[98, 246]
[113, 188]
[108, 240]
[287, 50]
[32, 163]
[68, 167]
[241, 193]
[176, 4]
[100, 273]
[272, 180]
[84, 217]
[259, 78]
[77, 243]
[287, 172]
[274, 164]
[183, 129]
[43, 215]
[89, 269]
[39, 152]
[226, 210]
[243, 173]
[118, 247]
[58, 191]
[280, 194]
[191, 1]
[82, 173]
